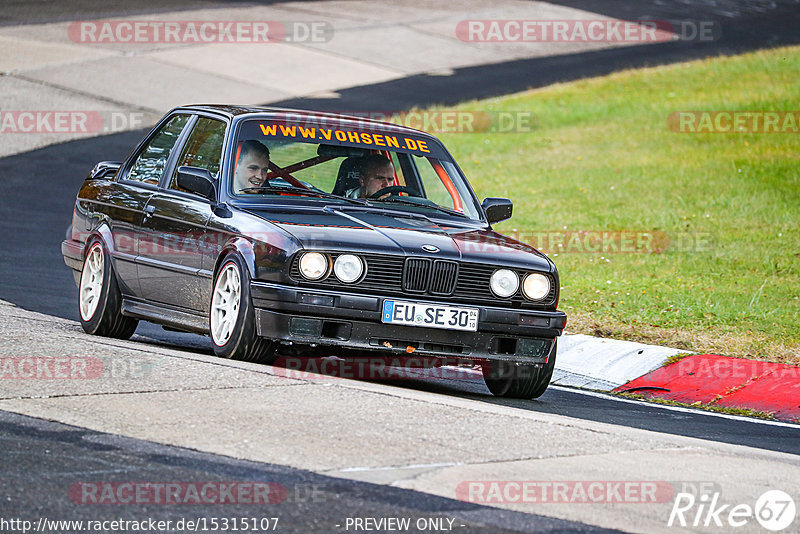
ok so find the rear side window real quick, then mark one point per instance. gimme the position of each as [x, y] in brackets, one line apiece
[149, 166]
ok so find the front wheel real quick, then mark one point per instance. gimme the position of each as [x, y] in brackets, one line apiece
[99, 298]
[519, 380]
[232, 316]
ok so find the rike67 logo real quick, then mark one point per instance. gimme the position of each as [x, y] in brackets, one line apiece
[774, 510]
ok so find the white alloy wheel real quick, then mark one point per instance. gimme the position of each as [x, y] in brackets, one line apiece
[91, 282]
[225, 304]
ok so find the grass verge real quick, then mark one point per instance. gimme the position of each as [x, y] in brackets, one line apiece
[716, 215]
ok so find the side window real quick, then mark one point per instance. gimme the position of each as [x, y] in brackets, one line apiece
[149, 166]
[203, 149]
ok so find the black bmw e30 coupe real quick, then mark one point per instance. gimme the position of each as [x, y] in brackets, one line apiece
[265, 228]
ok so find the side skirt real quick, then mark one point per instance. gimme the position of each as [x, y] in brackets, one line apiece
[165, 315]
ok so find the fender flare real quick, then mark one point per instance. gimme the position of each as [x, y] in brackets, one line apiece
[103, 233]
[244, 248]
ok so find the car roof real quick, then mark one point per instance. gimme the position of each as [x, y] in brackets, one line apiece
[294, 115]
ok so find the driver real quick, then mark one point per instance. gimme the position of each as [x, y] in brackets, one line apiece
[252, 166]
[375, 172]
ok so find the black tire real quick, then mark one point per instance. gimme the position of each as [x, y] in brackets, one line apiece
[103, 317]
[520, 381]
[241, 342]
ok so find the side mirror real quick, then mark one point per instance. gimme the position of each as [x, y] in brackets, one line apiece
[198, 181]
[497, 209]
[104, 170]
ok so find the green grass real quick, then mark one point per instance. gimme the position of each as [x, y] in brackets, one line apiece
[602, 158]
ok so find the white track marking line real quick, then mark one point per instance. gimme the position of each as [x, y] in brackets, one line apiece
[609, 396]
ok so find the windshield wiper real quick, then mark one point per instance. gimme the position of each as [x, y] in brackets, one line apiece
[432, 206]
[301, 191]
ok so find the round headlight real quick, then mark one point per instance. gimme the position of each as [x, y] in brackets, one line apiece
[536, 286]
[348, 268]
[313, 265]
[504, 283]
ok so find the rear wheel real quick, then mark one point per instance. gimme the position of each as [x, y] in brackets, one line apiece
[99, 298]
[232, 317]
[520, 381]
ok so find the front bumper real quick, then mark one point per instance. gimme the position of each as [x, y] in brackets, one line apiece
[72, 251]
[314, 316]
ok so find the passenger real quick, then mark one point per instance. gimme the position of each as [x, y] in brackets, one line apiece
[252, 166]
[375, 172]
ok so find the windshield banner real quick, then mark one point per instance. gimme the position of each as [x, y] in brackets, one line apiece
[326, 134]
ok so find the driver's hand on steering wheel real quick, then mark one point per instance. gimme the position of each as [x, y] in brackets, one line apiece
[393, 190]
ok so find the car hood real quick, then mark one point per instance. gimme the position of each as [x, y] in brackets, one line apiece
[384, 231]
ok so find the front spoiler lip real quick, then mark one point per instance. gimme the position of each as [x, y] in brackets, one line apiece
[72, 251]
[276, 305]
[395, 340]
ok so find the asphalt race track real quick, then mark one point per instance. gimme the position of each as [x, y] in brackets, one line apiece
[47, 456]
[37, 191]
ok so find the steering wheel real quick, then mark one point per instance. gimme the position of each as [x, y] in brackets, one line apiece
[393, 189]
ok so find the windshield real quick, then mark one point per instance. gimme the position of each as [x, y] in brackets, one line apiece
[376, 168]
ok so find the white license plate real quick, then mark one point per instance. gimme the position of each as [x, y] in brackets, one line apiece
[430, 315]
